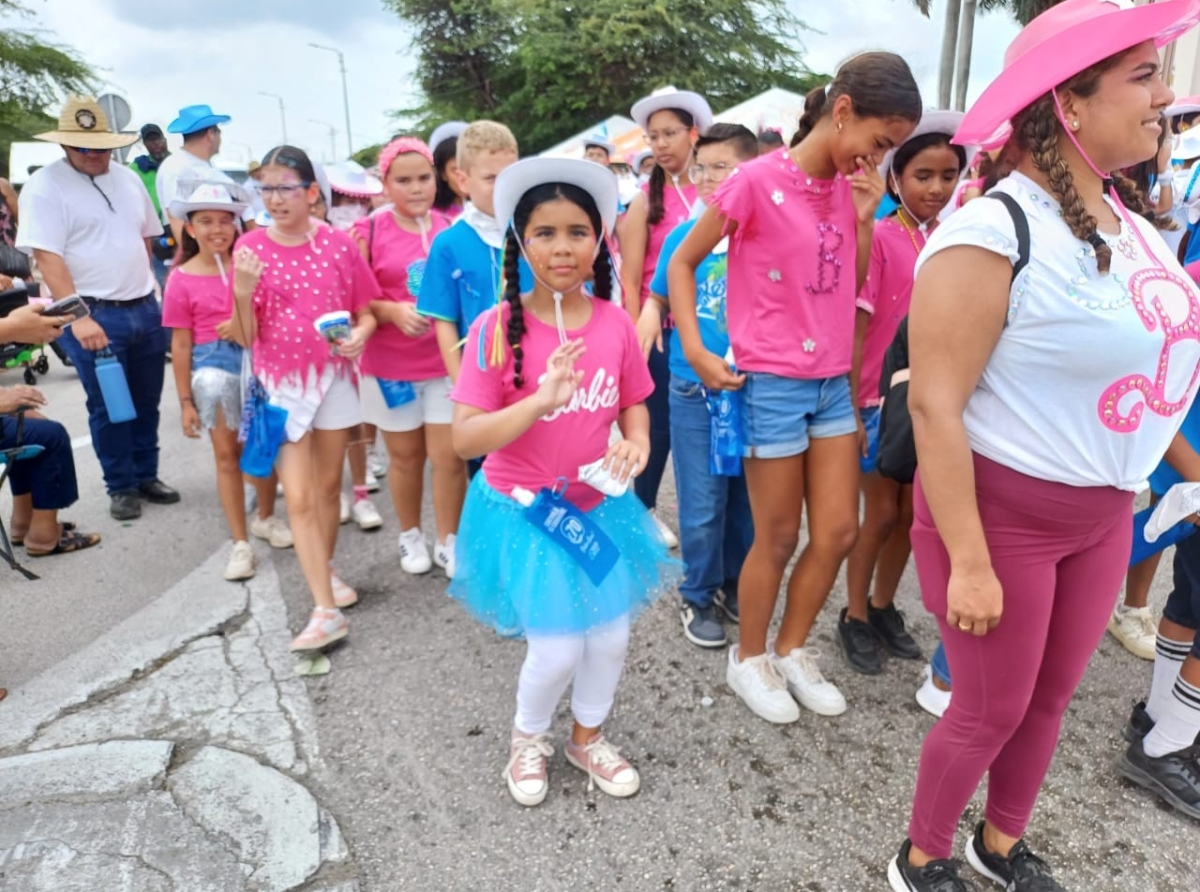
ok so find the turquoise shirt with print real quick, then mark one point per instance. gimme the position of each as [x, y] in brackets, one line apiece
[710, 301]
[463, 277]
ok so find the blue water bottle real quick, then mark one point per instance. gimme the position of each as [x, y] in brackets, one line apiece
[725, 430]
[115, 389]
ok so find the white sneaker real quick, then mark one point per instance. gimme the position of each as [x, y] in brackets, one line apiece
[665, 532]
[272, 530]
[377, 463]
[344, 508]
[1135, 628]
[930, 697]
[249, 497]
[241, 562]
[371, 481]
[761, 688]
[365, 515]
[806, 683]
[443, 555]
[414, 552]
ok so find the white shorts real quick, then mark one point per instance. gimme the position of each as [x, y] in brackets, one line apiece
[307, 410]
[432, 406]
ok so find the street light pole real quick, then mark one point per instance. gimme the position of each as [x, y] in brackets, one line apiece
[345, 92]
[332, 137]
[282, 112]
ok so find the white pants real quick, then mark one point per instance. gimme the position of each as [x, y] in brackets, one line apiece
[594, 659]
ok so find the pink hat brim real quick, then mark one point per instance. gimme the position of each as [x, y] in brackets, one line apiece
[1066, 51]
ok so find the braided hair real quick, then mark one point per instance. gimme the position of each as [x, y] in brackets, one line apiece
[1036, 130]
[880, 85]
[658, 177]
[601, 268]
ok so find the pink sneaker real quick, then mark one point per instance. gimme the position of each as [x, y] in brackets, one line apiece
[343, 595]
[325, 626]
[526, 770]
[605, 766]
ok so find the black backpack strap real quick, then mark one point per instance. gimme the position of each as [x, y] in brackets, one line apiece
[1021, 224]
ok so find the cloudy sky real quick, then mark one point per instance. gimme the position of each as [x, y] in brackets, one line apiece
[161, 55]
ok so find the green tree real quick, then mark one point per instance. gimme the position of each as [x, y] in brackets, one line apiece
[551, 67]
[33, 74]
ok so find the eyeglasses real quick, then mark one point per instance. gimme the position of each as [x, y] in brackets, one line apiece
[89, 151]
[286, 192]
[714, 172]
[664, 136]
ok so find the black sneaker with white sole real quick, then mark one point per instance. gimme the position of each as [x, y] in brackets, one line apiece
[1021, 871]
[1140, 724]
[1175, 777]
[701, 626]
[936, 876]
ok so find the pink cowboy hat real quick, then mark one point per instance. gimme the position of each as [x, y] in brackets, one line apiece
[1188, 105]
[1060, 43]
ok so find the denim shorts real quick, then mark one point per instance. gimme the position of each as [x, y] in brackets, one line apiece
[781, 414]
[223, 355]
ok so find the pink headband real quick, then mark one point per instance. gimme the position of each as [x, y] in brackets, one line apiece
[402, 146]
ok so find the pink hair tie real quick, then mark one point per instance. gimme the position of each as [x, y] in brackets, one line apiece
[402, 146]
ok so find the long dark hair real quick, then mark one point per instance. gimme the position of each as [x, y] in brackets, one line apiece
[909, 150]
[658, 176]
[446, 152]
[880, 85]
[601, 268]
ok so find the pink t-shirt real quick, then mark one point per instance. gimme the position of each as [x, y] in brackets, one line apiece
[300, 284]
[885, 295]
[791, 269]
[677, 208]
[398, 262]
[198, 303]
[615, 377]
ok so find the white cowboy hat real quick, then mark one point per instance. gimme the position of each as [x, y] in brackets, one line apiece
[193, 195]
[595, 179]
[601, 143]
[668, 97]
[446, 131]
[82, 124]
[1188, 146]
[349, 178]
[934, 121]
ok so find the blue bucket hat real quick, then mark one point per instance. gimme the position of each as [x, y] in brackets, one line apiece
[195, 117]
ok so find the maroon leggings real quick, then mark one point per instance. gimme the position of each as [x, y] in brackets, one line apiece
[1060, 553]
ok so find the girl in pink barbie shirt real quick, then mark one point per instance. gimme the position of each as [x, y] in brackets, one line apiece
[405, 389]
[553, 545]
[921, 176]
[207, 363]
[287, 276]
[799, 222]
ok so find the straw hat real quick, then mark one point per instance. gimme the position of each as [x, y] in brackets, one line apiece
[84, 125]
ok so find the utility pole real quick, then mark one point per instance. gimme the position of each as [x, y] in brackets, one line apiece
[282, 112]
[332, 138]
[345, 92]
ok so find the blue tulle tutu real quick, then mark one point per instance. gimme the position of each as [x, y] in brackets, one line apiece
[514, 578]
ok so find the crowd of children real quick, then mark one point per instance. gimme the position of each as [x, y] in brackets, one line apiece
[518, 325]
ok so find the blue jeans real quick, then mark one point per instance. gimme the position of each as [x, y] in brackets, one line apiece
[715, 526]
[128, 451]
[49, 477]
[940, 665]
[646, 484]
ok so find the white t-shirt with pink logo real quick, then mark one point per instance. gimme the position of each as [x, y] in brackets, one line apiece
[615, 377]
[1093, 375]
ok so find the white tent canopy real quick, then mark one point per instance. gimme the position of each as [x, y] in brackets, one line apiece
[611, 128]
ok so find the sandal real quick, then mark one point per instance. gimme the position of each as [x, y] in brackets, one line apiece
[68, 527]
[68, 541]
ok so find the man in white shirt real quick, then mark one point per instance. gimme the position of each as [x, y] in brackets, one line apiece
[201, 131]
[88, 224]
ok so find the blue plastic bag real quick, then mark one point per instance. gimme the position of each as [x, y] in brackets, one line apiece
[263, 431]
[726, 437]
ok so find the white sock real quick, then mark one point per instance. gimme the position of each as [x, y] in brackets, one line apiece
[1177, 727]
[1168, 660]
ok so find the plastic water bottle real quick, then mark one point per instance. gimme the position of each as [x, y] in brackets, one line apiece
[726, 437]
[115, 389]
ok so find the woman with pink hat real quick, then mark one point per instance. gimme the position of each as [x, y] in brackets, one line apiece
[1043, 393]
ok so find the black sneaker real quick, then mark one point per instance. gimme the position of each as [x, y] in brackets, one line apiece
[888, 625]
[727, 600]
[701, 626]
[859, 645]
[1175, 777]
[125, 506]
[1139, 725]
[1021, 871]
[936, 876]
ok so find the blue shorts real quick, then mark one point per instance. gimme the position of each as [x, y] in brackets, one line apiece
[781, 414]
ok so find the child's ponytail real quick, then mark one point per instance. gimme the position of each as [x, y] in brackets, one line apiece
[814, 108]
[658, 181]
[602, 273]
[516, 315]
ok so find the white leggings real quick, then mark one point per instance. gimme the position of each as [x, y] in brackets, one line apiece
[594, 659]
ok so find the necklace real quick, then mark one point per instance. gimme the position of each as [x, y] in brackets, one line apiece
[912, 236]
